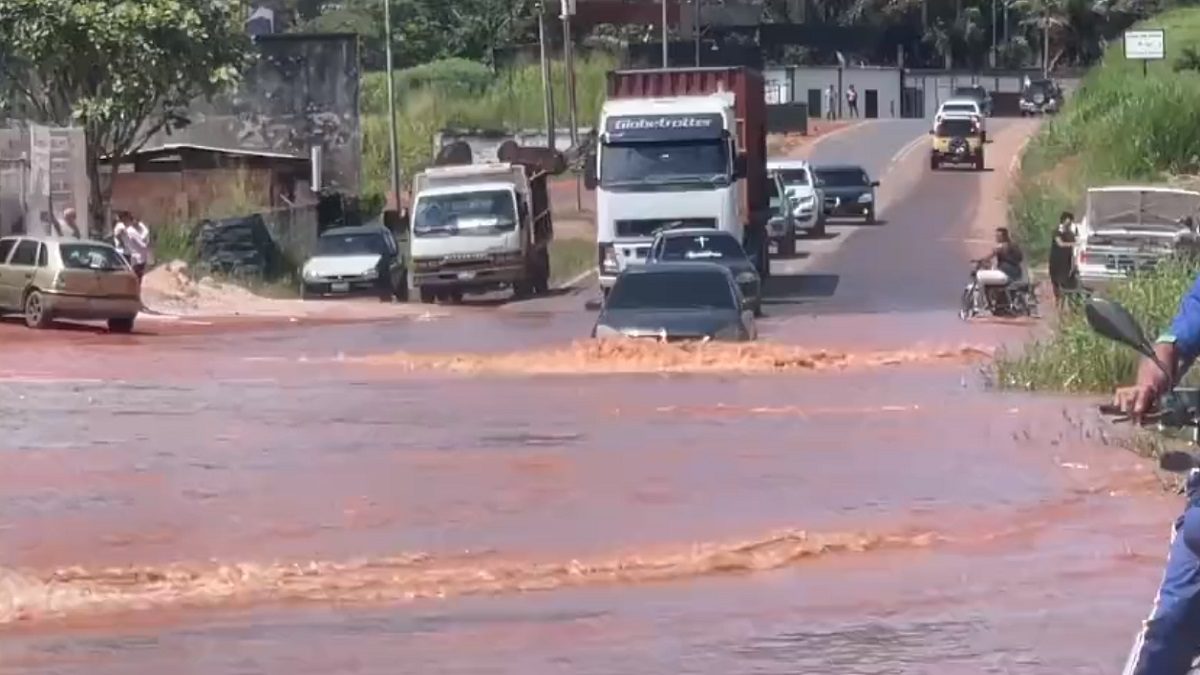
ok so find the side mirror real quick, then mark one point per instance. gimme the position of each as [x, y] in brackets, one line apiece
[1110, 320]
[739, 166]
[590, 179]
[874, 183]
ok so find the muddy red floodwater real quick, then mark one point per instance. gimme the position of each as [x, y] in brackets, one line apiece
[299, 498]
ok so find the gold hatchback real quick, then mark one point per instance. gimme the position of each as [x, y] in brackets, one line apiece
[48, 278]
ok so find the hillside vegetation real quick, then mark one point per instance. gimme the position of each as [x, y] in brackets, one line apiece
[463, 94]
[1120, 127]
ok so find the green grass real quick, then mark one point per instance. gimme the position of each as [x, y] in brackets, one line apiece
[426, 105]
[1118, 127]
[570, 258]
[1075, 359]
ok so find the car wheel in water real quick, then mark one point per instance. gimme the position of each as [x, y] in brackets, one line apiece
[36, 314]
[428, 296]
[121, 325]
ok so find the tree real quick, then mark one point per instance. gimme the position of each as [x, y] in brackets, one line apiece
[123, 70]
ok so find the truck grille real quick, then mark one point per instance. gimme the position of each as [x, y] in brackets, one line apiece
[646, 227]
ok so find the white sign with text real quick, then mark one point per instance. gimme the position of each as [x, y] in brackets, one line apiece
[1146, 45]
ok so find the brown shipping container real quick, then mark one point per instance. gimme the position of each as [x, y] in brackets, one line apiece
[750, 108]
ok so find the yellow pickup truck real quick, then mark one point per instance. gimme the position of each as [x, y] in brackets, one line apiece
[956, 140]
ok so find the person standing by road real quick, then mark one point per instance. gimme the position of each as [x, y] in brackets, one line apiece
[1063, 275]
[830, 101]
[132, 239]
[852, 101]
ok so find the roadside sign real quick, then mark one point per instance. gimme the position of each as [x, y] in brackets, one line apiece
[1146, 45]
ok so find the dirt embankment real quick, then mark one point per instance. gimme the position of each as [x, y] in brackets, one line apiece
[170, 289]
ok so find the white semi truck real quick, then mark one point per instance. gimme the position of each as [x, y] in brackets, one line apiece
[482, 227]
[679, 148]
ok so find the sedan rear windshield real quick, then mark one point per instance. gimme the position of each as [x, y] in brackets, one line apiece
[701, 247]
[956, 127]
[672, 290]
[91, 257]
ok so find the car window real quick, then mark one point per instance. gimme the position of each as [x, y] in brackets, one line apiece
[6, 247]
[793, 177]
[843, 177]
[673, 290]
[42, 261]
[91, 256]
[26, 253]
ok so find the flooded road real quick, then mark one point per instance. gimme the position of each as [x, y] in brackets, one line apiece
[466, 492]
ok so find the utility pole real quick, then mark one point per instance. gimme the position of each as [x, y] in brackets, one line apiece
[1046, 43]
[568, 7]
[547, 82]
[666, 58]
[697, 29]
[393, 139]
[995, 56]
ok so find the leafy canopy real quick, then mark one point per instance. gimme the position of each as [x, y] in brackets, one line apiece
[121, 69]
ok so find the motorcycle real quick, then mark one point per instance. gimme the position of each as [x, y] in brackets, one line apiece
[1177, 410]
[991, 291]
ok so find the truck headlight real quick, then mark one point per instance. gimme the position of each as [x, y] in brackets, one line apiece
[604, 332]
[310, 275]
[372, 273]
[866, 198]
[806, 202]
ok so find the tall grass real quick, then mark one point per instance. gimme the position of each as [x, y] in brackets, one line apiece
[1120, 126]
[436, 98]
[1077, 360]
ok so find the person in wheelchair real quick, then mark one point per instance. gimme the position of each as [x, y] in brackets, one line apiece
[1007, 270]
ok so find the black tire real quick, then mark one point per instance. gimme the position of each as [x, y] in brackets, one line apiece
[401, 291]
[787, 245]
[869, 219]
[455, 297]
[428, 296]
[933, 163]
[966, 308]
[121, 325]
[36, 314]
[541, 283]
[979, 162]
[818, 229]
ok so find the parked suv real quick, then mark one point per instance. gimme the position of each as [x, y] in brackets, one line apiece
[1040, 97]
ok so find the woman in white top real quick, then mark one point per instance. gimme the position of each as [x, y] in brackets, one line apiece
[132, 239]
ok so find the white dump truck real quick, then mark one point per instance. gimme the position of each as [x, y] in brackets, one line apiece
[481, 227]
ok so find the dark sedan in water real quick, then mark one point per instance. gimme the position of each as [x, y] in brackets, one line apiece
[849, 192]
[676, 302]
[697, 244]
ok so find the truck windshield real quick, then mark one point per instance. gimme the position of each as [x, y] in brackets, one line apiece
[675, 162]
[672, 290]
[351, 244]
[483, 212]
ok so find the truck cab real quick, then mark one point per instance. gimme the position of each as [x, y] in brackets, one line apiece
[475, 229]
[682, 147]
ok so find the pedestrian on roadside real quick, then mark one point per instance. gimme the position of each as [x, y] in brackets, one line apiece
[830, 101]
[70, 221]
[852, 101]
[132, 239]
[1064, 277]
